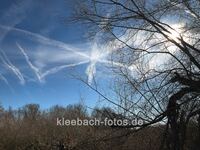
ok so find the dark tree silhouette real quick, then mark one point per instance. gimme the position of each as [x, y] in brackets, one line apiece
[141, 31]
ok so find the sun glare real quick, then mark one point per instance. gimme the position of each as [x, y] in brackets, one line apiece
[95, 55]
[175, 32]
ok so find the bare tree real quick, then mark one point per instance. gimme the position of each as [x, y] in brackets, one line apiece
[156, 44]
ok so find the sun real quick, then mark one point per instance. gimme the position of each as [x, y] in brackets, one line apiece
[175, 32]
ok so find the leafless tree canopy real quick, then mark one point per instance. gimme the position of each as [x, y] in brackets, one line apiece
[157, 45]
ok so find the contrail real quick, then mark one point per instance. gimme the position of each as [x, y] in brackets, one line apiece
[34, 68]
[13, 68]
[45, 40]
[4, 79]
[56, 69]
[91, 71]
[7, 83]
[98, 55]
[117, 64]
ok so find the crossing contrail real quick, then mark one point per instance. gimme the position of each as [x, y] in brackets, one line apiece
[10, 66]
[34, 68]
[97, 55]
[44, 40]
[38, 73]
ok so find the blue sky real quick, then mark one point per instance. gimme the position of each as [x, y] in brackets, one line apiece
[40, 54]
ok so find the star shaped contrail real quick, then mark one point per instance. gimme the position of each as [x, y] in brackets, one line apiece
[96, 55]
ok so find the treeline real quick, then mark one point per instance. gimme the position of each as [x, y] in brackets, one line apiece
[31, 128]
